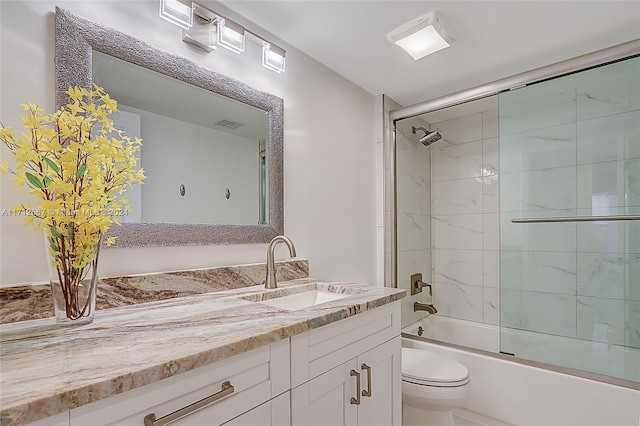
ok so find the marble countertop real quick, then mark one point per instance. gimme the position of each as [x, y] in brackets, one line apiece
[33, 301]
[46, 370]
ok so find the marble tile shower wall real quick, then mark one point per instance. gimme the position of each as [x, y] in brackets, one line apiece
[572, 147]
[413, 214]
[465, 218]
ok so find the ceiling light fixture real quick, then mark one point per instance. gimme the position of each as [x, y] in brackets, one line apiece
[206, 29]
[422, 36]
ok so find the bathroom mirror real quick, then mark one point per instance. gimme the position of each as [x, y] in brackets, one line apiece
[85, 50]
[204, 154]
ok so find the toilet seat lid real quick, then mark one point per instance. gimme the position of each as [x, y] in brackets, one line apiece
[423, 367]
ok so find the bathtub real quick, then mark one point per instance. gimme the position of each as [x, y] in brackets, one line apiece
[520, 392]
[455, 331]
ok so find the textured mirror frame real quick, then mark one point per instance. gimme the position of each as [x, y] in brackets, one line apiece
[77, 37]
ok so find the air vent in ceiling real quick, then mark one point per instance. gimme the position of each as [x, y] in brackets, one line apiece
[228, 124]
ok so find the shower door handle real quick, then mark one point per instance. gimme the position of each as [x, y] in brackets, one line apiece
[356, 400]
[575, 219]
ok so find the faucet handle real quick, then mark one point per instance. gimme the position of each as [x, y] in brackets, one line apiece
[423, 284]
[417, 285]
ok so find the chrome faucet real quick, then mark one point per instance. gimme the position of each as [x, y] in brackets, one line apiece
[417, 306]
[270, 281]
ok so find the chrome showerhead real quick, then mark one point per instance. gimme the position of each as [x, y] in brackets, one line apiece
[430, 136]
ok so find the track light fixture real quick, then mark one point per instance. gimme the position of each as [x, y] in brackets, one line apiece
[177, 13]
[206, 29]
[273, 57]
[203, 31]
[231, 35]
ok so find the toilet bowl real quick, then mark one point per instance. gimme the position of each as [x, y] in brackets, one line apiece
[432, 387]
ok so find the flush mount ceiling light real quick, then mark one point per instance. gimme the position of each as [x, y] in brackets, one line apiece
[206, 29]
[273, 57]
[422, 36]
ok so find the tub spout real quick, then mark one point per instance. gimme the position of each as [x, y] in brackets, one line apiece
[417, 306]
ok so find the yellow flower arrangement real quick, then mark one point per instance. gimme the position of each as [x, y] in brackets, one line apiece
[78, 165]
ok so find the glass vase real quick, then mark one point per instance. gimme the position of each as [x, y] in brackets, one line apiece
[74, 291]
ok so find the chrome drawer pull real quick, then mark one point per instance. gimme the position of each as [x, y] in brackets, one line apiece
[356, 400]
[150, 419]
[368, 391]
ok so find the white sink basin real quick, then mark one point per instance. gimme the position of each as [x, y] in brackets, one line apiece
[303, 300]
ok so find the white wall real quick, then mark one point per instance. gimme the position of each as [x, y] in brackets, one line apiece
[206, 161]
[329, 156]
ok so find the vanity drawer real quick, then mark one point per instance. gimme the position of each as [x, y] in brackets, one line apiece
[250, 374]
[318, 351]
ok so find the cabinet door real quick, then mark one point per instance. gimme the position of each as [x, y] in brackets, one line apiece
[275, 412]
[321, 349]
[281, 410]
[259, 416]
[381, 382]
[326, 400]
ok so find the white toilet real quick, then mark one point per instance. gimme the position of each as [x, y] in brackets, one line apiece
[432, 386]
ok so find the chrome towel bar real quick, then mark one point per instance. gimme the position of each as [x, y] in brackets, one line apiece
[575, 219]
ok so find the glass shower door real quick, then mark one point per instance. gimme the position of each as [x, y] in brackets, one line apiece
[570, 290]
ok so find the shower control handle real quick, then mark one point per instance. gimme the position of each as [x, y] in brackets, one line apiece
[417, 285]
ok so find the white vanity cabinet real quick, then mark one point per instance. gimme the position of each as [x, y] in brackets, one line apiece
[381, 383]
[348, 373]
[344, 373]
[233, 388]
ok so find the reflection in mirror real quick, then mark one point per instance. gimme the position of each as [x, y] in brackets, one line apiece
[204, 154]
[238, 198]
